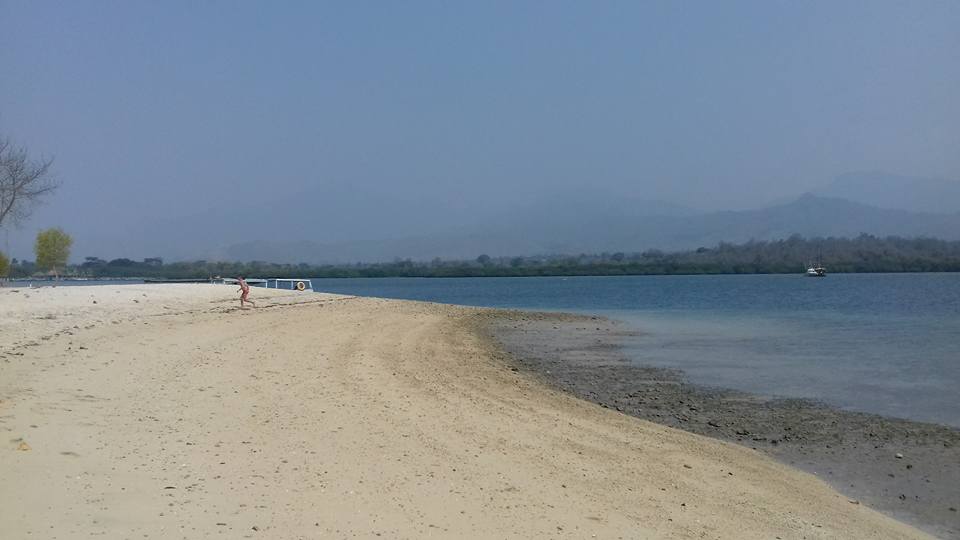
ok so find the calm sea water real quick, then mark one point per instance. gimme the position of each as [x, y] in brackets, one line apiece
[881, 343]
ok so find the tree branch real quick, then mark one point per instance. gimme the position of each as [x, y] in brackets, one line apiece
[23, 183]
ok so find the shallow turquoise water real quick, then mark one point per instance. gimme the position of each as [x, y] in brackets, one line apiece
[882, 343]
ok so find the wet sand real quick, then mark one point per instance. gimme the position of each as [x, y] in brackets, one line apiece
[856, 453]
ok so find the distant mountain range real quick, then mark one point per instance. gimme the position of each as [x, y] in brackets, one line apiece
[882, 190]
[577, 229]
[342, 223]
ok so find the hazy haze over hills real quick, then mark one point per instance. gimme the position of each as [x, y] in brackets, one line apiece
[375, 131]
[611, 231]
[304, 227]
[893, 191]
[329, 225]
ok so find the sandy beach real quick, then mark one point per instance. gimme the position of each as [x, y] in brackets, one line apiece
[907, 469]
[165, 411]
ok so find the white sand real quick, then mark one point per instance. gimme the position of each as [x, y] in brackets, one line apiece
[163, 411]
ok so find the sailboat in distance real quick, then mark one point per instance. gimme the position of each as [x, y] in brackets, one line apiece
[817, 270]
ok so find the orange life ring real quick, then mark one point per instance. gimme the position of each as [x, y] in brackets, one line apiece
[301, 286]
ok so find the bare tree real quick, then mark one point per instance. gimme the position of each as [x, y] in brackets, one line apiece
[23, 182]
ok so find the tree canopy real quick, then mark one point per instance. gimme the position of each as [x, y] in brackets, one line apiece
[53, 249]
[864, 253]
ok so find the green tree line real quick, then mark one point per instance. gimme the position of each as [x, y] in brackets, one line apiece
[864, 253]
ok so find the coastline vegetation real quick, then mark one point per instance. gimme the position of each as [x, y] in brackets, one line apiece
[864, 253]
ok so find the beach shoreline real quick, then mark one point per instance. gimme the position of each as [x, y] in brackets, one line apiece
[166, 410]
[856, 453]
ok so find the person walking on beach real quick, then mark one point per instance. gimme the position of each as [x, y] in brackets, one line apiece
[244, 291]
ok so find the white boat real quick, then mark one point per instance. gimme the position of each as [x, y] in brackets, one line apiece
[817, 270]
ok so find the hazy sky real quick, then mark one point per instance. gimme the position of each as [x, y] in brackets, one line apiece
[164, 109]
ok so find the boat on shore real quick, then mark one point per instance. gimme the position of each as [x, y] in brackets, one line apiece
[291, 284]
[299, 284]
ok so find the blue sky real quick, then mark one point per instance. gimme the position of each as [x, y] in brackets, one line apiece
[156, 109]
